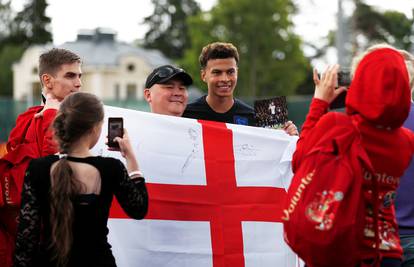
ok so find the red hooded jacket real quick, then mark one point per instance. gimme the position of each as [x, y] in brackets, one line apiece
[379, 100]
[30, 138]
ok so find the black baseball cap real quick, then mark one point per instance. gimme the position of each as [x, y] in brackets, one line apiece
[165, 73]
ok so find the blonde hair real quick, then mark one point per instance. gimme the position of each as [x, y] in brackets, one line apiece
[408, 58]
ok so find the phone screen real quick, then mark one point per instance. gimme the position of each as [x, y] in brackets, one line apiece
[115, 128]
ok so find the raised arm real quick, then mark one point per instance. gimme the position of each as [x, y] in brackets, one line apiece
[131, 190]
[325, 93]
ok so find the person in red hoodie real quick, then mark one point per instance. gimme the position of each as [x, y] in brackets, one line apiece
[379, 101]
[60, 73]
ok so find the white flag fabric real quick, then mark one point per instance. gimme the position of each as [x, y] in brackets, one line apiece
[215, 194]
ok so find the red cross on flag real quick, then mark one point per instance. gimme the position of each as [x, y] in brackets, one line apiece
[215, 194]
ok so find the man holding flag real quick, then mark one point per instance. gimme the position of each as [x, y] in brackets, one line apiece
[211, 202]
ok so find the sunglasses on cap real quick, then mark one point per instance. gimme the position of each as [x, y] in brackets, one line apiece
[162, 73]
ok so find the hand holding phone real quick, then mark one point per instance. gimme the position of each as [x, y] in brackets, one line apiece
[115, 129]
[326, 85]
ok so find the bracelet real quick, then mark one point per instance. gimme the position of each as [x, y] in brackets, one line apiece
[136, 173]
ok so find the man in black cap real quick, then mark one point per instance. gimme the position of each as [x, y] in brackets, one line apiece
[166, 90]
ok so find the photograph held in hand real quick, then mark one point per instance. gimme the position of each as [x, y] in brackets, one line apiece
[271, 113]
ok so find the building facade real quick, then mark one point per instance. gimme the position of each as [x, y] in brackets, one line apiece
[112, 70]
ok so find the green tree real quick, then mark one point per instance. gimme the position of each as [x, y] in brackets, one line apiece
[32, 24]
[369, 26]
[8, 55]
[6, 21]
[271, 59]
[7, 52]
[392, 27]
[18, 32]
[168, 29]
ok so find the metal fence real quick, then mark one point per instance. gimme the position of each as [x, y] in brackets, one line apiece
[9, 110]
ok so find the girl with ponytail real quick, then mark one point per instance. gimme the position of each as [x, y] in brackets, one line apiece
[66, 198]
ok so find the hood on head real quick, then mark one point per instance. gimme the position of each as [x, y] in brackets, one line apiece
[380, 90]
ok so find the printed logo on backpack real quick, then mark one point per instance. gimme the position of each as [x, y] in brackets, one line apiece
[320, 210]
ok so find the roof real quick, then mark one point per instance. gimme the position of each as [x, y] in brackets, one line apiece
[101, 49]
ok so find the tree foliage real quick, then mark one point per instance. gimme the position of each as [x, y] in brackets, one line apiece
[368, 25]
[271, 59]
[6, 21]
[168, 29]
[33, 24]
[8, 55]
[392, 27]
[17, 32]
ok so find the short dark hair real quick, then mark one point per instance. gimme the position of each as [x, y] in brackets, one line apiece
[218, 50]
[51, 61]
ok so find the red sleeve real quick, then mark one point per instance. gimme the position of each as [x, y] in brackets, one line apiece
[48, 144]
[316, 110]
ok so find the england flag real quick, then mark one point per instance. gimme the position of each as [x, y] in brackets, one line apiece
[216, 193]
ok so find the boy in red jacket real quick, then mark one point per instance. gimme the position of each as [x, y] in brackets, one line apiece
[379, 101]
[60, 73]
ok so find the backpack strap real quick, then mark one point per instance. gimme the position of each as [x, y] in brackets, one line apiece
[375, 195]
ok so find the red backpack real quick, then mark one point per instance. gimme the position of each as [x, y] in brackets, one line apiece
[13, 166]
[324, 213]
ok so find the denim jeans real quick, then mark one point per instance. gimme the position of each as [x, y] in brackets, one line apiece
[407, 243]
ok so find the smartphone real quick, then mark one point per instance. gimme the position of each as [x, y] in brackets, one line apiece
[115, 128]
[344, 78]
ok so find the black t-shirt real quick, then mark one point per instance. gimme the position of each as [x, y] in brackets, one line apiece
[239, 113]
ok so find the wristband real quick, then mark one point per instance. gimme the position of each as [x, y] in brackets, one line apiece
[136, 173]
